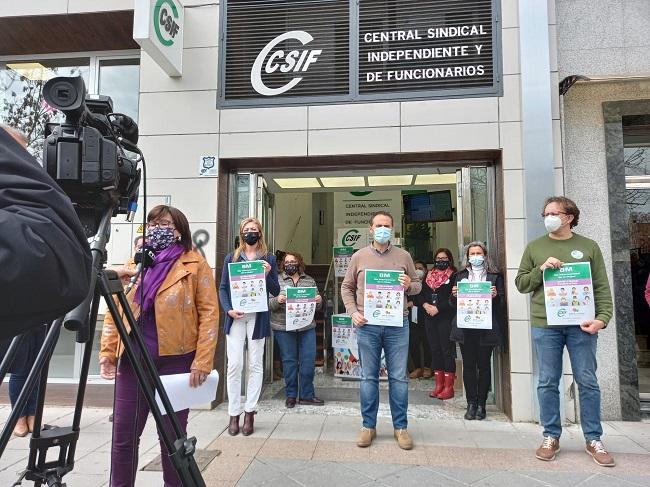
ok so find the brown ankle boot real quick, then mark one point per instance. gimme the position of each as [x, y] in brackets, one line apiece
[249, 418]
[233, 427]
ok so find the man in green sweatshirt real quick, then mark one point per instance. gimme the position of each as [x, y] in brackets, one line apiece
[561, 246]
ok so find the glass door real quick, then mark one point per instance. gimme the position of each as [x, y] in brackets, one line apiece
[475, 207]
[476, 215]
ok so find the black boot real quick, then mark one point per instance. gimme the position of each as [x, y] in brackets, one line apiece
[480, 411]
[471, 411]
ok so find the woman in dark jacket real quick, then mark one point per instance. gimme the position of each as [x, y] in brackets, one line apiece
[476, 345]
[419, 349]
[240, 327]
[435, 300]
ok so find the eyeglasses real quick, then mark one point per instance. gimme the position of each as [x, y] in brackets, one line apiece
[544, 215]
[160, 224]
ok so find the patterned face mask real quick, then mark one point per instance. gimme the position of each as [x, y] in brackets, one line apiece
[160, 238]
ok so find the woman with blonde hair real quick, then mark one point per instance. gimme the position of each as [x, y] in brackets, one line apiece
[240, 326]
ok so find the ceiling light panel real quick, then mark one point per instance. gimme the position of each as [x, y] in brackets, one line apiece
[297, 183]
[395, 180]
[343, 182]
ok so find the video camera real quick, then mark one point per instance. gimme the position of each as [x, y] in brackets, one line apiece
[87, 154]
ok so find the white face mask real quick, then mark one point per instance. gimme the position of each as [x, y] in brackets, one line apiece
[419, 273]
[552, 223]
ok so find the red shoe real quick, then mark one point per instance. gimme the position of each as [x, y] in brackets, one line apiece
[448, 391]
[440, 383]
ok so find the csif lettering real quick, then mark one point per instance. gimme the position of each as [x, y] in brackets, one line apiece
[164, 16]
[384, 275]
[246, 266]
[566, 269]
[295, 61]
[351, 237]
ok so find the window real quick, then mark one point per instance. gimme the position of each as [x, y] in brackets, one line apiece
[21, 94]
[21, 89]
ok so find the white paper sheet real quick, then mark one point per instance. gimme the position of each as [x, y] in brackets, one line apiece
[182, 396]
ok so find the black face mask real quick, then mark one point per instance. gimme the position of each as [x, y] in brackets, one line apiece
[291, 269]
[442, 264]
[251, 238]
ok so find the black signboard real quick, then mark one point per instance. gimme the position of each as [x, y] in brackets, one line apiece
[288, 49]
[407, 45]
[319, 51]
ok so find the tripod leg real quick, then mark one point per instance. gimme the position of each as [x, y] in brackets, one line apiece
[10, 355]
[41, 361]
[181, 450]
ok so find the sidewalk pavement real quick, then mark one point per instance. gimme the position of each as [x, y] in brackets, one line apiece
[303, 447]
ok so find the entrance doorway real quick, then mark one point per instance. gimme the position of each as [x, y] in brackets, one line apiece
[636, 151]
[310, 211]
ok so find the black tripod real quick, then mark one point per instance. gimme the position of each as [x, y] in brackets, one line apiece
[83, 320]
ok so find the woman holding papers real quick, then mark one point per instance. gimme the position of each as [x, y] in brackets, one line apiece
[476, 345]
[179, 322]
[297, 346]
[242, 323]
[434, 300]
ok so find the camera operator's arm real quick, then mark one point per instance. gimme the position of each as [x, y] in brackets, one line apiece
[44, 253]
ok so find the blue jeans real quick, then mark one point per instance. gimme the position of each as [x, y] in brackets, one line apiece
[298, 350]
[16, 383]
[395, 342]
[549, 345]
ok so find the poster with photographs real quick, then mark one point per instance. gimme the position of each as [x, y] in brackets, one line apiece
[342, 257]
[248, 286]
[301, 307]
[569, 294]
[346, 352]
[474, 305]
[384, 298]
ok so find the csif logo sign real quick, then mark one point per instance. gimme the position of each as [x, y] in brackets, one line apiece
[350, 238]
[271, 60]
[165, 18]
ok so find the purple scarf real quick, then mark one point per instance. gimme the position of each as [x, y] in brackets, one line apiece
[156, 274]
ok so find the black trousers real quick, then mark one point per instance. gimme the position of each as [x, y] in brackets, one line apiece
[443, 350]
[477, 367]
[419, 348]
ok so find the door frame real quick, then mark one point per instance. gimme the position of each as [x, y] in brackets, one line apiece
[490, 158]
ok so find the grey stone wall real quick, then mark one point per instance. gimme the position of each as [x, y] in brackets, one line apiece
[603, 37]
[587, 182]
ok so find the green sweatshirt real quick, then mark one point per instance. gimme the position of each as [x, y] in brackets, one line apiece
[576, 249]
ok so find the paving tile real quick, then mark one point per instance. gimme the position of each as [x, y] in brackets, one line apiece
[85, 480]
[509, 479]
[328, 474]
[376, 471]
[287, 465]
[149, 479]
[418, 476]
[281, 448]
[602, 480]
[559, 479]
[296, 431]
[462, 475]
[380, 453]
[226, 468]
[94, 463]
[489, 425]
[258, 473]
[341, 452]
